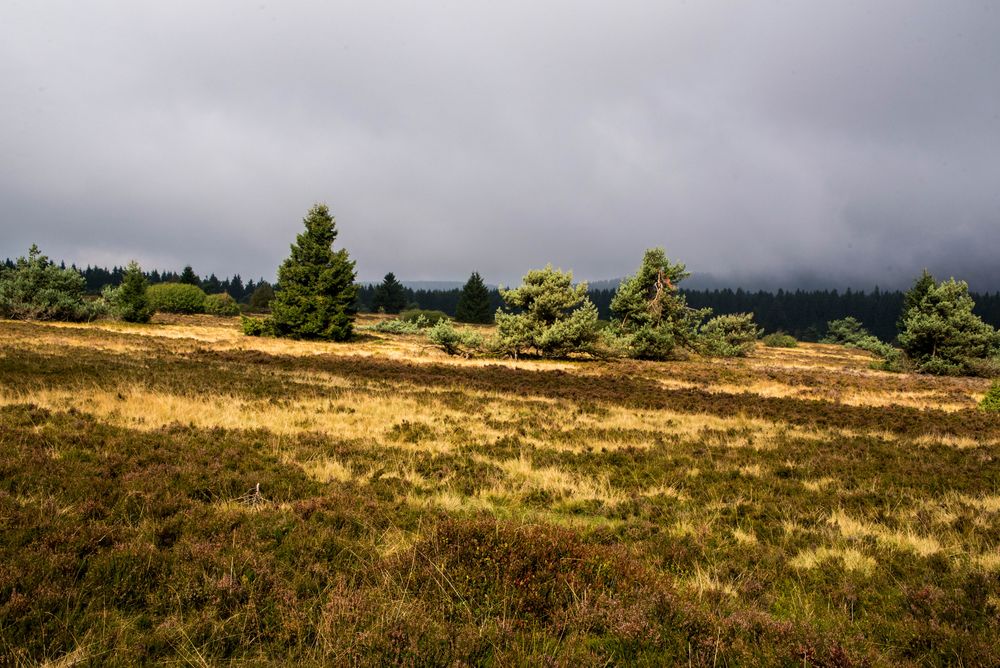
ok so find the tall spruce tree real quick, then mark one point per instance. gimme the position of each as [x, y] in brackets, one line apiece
[390, 296]
[474, 302]
[316, 289]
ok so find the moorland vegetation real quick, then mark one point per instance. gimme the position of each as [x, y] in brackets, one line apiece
[177, 492]
[549, 489]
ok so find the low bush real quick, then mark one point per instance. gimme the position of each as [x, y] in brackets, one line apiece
[988, 367]
[397, 326]
[780, 339]
[256, 326]
[221, 304]
[991, 402]
[176, 298]
[455, 341]
[846, 332]
[729, 335]
[37, 289]
[431, 317]
[850, 332]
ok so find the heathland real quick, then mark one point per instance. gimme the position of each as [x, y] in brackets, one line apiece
[179, 492]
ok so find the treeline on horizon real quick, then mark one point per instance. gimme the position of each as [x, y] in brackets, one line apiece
[801, 313]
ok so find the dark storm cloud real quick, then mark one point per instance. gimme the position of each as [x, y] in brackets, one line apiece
[850, 142]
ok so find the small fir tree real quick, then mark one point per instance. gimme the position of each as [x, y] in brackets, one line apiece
[390, 295]
[316, 289]
[733, 335]
[474, 301]
[129, 301]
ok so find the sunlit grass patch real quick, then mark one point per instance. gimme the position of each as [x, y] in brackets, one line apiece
[907, 539]
[818, 484]
[850, 558]
[705, 580]
[327, 470]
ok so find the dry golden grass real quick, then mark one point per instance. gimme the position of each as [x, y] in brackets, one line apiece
[908, 539]
[850, 558]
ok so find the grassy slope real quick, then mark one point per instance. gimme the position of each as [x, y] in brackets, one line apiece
[792, 508]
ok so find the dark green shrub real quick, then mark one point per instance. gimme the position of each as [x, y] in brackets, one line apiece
[256, 326]
[429, 316]
[988, 367]
[851, 333]
[261, 298]
[991, 402]
[221, 304]
[37, 289]
[779, 340]
[732, 335]
[176, 298]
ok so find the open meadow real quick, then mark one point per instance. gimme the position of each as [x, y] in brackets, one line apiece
[179, 492]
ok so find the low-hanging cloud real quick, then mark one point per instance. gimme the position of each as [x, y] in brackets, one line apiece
[848, 143]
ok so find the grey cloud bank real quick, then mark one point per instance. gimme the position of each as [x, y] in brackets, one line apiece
[818, 143]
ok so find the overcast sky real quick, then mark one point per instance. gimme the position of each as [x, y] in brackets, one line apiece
[841, 143]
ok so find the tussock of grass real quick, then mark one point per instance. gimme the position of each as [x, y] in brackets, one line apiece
[850, 558]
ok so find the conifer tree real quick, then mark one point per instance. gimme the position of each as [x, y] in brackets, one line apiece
[653, 317]
[129, 300]
[236, 288]
[474, 302]
[924, 284]
[390, 296]
[260, 298]
[316, 289]
[211, 285]
[188, 276]
[940, 334]
[554, 317]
